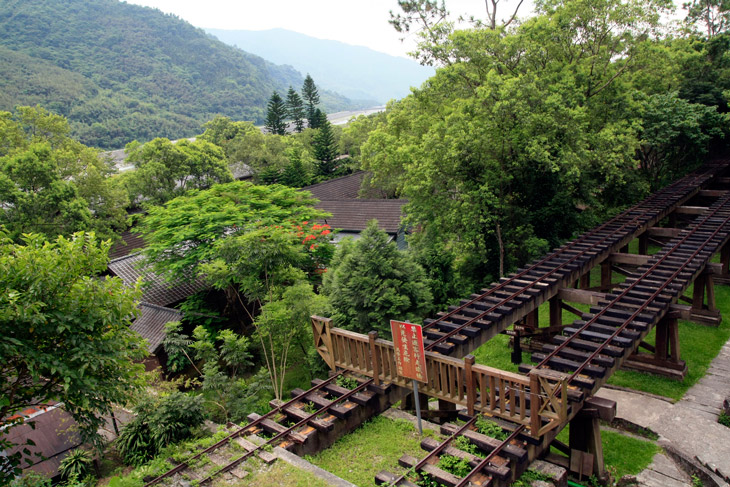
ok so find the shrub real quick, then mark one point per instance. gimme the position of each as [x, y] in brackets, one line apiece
[76, 464]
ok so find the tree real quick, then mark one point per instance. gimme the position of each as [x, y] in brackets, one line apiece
[52, 184]
[371, 282]
[295, 109]
[310, 94]
[222, 130]
[325, 149]
[185, 233]
[164, 170]
[276, 115]
[265, 267]
[65, 331]
[715, 14]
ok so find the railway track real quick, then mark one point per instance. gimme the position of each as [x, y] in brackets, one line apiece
[289, 425]
[464, 327]
[603, 338]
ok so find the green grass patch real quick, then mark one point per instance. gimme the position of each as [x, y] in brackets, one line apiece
[277, 474]
[699, 345]
[375, 446]
[624, 455]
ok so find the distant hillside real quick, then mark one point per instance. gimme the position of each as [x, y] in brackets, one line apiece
[121, 72]
[355, 71]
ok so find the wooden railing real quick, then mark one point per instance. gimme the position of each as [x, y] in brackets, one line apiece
[538, 401]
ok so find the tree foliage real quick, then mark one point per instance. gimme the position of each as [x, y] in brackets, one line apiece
[295, 109]
[164, 170]
[325, 149]
[51, 184]
[310, 95]
[65, 331]
[371, 282]
[276, 113]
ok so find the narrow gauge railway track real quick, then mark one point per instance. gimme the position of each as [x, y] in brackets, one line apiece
[493, 464]
[598, 343]
[497, 307]
[281, 433]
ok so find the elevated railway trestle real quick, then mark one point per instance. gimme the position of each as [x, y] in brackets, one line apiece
[576, 359]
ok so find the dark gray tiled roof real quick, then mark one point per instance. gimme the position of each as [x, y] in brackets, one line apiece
[346, 187]
[151, 324]
[130, 241]
[353, 215]
[155, 289]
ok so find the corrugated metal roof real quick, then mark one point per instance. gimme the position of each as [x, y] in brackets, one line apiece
[346, 187]
[151, 324]
[130, 242]
[155, 289]
[353, 215]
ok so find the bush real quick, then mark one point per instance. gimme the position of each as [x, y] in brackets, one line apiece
[31, 479]
[77, 464]
[158, 424]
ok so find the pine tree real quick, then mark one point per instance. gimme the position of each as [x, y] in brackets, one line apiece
[325, 148]
[311, 98]
[319, 119]
[295, 174]
[295, 109]
[275, 115]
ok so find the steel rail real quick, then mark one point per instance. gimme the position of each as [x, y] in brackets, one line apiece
[238, 461]
[492, 454]
[592, 233]
[435, 451]
[182, 466]
[640, 309]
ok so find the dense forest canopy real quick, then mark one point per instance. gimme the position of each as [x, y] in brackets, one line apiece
[120, 72]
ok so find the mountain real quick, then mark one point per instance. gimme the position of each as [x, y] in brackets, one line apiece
[355, 71]
[120, 72]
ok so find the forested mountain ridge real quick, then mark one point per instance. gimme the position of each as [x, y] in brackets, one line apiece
[355, 71]
[120, 72]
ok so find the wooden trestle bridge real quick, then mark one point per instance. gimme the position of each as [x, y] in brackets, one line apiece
[571, 361]
[574, 360]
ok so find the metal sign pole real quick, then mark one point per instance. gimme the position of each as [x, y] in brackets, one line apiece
[418, 407]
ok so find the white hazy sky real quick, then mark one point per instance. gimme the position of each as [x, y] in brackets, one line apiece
[357, 22]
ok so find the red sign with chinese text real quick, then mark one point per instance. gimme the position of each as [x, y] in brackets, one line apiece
[410, 357]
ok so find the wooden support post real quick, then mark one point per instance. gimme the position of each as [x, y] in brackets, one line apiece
[698, 295]
[710, 291]
[556, 312]
[624, 249]
[673, 220]
[725, 258]
[643, 244]
[471, 394]
[673, 339]
[585, 436]
[372, 336]
[585, 280]
[535, 400]
[606, 276]
[662, 343]
[532, 320]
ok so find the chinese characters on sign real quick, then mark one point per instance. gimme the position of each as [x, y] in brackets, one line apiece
[409, 354]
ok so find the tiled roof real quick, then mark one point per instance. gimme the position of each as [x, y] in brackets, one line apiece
[151, 324]
[130, 241]
[346, 187]
[353, 215]
[155, 289]
[55, 434]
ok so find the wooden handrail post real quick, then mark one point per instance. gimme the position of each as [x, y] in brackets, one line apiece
[372, 336]
[535, 422]
[471, 393]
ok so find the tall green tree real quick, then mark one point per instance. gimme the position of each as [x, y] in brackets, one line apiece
[310, 95]
[295, 109]
[371, 282]
[64, 331]
[50, 183]
[276, 115]
[714, 14]
[325, 149]
[164, 170]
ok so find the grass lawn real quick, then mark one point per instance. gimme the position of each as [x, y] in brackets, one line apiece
[277, 474]
[375, 446]
[623, 455]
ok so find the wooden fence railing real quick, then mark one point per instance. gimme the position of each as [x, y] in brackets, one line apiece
[538, 401]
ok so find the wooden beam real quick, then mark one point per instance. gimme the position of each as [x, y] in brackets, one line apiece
[662, 232]
[580, 296]
[712, 193]
[631, 259]
[690, 210]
